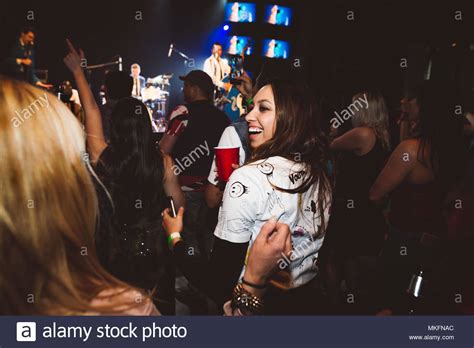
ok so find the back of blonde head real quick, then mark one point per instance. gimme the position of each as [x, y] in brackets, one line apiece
[48, 207]
[375, 116]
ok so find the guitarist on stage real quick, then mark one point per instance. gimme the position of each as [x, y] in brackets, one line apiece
[217, 67]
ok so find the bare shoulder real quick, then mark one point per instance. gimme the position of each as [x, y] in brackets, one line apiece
[364, 132]
[409, 146]
[360, 135]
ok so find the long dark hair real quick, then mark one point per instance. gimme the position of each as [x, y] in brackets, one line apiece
[132, 164]
[441, 134]
[298, 137]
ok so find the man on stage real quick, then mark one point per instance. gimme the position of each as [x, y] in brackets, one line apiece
[138, 81]
[21, 61]
[217, 68]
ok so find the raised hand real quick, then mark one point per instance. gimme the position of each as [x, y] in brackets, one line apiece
[246, 87]
[171, 224]
[74, 60]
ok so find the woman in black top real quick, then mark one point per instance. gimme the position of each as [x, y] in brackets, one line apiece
[134, 180]
[357, 227]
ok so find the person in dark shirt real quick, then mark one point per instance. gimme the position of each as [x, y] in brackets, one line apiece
[20, 63]
[194, 130]
[118, 85]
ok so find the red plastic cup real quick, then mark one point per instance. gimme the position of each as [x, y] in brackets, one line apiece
[225, 157]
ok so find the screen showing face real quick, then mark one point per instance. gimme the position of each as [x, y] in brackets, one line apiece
[237, 44]
[240, 12]
[276, 49]
[278, 15]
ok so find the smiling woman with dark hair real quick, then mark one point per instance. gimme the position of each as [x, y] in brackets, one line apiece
[285, 179]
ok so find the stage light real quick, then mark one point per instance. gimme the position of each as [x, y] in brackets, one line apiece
[225, 27]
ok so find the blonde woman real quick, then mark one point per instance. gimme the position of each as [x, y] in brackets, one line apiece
[48, 214]
[356, 229]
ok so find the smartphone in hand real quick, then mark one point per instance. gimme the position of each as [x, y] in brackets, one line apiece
[172, 207]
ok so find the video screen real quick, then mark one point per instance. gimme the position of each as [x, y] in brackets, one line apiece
[278, 15]
[240, 12]
[238, 44]
[276, 49]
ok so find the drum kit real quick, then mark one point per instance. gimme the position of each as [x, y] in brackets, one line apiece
[155, 95]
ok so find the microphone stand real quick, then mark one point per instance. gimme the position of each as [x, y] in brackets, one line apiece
[88, 69]
[97, 66]
[182, 55]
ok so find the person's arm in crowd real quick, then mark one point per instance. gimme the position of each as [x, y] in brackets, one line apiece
[215, 188]
[177, 124]
[246, 86]
[215, 277]
[167, 143]
[171, 182]
[273, 241]
[232, 234]
[398, 167]
[352, 140]
[95, 135]
[213, 195]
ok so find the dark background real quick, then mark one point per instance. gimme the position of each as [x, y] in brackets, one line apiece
[336, 56]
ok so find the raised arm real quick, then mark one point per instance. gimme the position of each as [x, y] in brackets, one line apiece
[399, 165]
[353, 140]
[171, 182]
[95, 135]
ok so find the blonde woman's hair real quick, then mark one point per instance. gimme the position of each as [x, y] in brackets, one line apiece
[374, 116]
[48, 210]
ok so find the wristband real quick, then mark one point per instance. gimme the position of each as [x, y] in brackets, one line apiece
[245, 301]
[172, 237]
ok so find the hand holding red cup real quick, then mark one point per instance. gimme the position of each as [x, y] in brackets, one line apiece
[226, 157]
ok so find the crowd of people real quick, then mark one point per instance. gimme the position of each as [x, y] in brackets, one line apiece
[309, 222]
